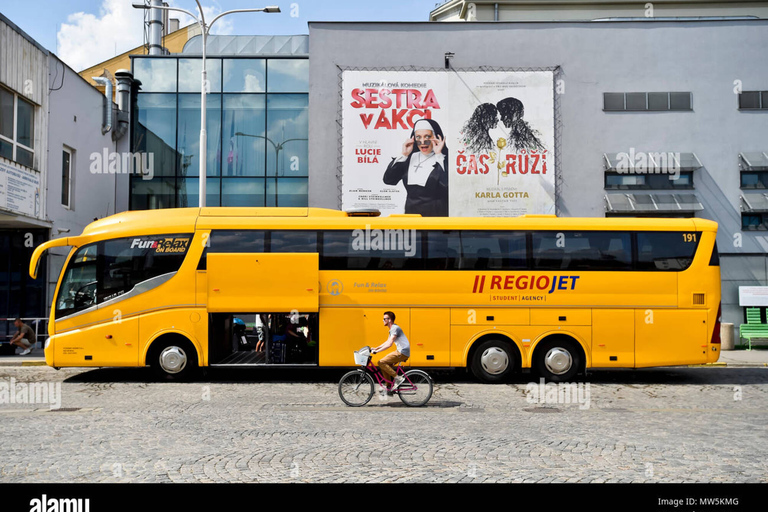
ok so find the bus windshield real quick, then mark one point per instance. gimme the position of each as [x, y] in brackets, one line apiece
[78, 286]
[107, 270]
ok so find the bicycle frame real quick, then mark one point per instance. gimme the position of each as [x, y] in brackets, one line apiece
[381, 380]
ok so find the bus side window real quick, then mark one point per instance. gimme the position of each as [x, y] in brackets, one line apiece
[666, 250]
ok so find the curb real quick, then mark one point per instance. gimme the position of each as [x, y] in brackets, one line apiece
[747, 365]
[22, 363]
[734, 364]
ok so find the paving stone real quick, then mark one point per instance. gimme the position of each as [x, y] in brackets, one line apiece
[650, 427]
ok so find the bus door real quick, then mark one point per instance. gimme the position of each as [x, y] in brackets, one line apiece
[281, 289]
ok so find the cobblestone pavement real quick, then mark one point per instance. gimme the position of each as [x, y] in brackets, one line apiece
[660, 425]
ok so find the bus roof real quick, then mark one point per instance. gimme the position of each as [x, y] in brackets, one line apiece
[185, 220]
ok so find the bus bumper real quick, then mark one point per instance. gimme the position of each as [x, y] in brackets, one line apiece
[49, 343]
[713, 353]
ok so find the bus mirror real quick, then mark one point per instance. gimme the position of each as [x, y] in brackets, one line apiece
[34, 262]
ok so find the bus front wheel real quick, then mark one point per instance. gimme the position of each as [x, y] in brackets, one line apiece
[493, 361]
[558, 360]
[174, 359]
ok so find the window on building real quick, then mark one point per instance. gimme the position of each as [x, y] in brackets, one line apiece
[613, 101]
[153, 194]
[754, 207]
[753, 100]
[66, 177]
[680, 101]
[658, 101]
[244, 146]
[754, 179]
[637, 101]
[17, 128]
[664, 215]
[154, 132]
[647, 101]
[189, 134]
[619, 181]
[156, 74]
[754, 222]
[245, 75]
[6, 124]
[190, 75]
[288, 75]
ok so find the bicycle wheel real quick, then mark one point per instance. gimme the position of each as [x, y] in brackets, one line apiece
[356, 388]
[418, 391]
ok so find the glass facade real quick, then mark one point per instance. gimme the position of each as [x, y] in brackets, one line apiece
[257, 123]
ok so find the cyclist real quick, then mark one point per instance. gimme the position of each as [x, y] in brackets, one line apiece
[403, 352]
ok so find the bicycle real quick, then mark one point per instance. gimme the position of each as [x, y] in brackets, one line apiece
[356, 388]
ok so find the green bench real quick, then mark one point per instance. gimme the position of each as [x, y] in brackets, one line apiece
[753, 329]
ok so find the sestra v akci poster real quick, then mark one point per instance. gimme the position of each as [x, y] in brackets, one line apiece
[487, 149]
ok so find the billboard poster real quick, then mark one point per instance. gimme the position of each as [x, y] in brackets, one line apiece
[448, 143]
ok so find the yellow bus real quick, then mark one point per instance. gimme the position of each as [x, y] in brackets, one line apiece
[179, 289]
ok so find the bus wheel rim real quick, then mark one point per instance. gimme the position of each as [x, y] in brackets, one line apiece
[558, 361]
[173, 359]
[494, 360]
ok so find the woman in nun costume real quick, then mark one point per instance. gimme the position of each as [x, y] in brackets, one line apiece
[423, 168]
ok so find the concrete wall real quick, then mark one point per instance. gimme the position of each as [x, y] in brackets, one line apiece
[706, 58]
[75, 122]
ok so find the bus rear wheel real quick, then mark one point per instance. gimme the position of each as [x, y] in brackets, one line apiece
[558, 360]
[493, 361]
[174, 359]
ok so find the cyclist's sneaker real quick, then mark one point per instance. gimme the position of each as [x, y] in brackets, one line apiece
[398, 380]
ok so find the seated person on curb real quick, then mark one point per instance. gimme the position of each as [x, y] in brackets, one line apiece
[24, 338]
[403, 352]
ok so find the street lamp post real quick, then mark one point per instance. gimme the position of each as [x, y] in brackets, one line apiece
[204, 28]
